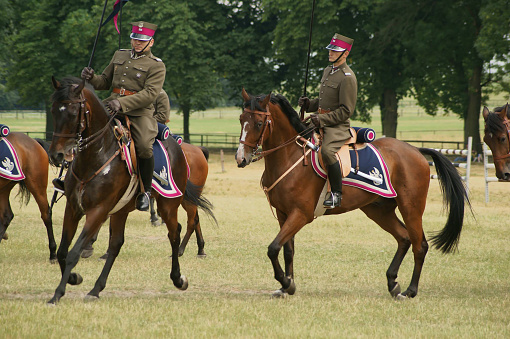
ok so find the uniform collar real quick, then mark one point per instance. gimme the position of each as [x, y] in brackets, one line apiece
[138, 56]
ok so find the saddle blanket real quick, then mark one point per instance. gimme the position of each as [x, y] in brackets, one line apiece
[10, 168]
[162, 180]
[370, 162]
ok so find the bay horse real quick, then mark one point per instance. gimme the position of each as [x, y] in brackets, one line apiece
[497, 137]
[34, 164]
[98, 178]
[293, 190]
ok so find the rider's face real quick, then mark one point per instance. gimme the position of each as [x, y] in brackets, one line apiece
[139, 45]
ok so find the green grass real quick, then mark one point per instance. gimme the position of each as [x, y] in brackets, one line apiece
[340, 266]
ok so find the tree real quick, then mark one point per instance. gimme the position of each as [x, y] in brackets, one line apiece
[457, 41]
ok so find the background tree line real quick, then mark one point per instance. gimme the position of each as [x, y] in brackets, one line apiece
[449, 55]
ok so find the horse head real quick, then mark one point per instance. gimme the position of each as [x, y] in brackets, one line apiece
[497, 137]
[71, 108]
[255, 126]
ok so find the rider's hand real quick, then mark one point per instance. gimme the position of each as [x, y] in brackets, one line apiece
[314, 118]
[114, 105]
[304, 102]
[87, 73]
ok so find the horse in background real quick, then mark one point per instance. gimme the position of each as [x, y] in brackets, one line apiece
[293, 190]
[34, 164]
[497, 137]
[98, 179]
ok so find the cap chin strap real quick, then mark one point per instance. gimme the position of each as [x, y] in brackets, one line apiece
[341, 55]
[143, 50]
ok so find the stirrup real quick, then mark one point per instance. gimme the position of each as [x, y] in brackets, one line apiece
[333, 201]
[143, 202]
[58, 185]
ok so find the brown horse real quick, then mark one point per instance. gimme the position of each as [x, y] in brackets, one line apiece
[34, 164]
[271, 122]
[97, 179]
[497, 137]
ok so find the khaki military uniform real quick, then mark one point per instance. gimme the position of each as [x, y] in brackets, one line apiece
[142, 77]
[162, 108]
[335, 105]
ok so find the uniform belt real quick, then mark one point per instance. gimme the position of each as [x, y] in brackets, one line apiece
[123, 91]
[323, 111]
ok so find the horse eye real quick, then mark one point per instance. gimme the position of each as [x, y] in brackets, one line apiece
[502, 140]
[259, 124]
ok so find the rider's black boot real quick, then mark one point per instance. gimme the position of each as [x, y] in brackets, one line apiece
[335, 180]
[146, 167]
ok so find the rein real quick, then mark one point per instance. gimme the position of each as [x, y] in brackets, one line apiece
[506, 122]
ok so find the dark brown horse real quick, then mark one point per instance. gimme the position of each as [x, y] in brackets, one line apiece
[34, 164]
[97, 179]
[497, 137]
[271, 122]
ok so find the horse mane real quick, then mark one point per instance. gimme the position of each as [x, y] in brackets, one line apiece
[62, 93]
[494, 123]
[286, 108]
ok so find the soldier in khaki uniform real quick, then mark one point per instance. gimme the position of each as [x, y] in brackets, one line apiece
[335, 105]
[162, 108]
[136, 77]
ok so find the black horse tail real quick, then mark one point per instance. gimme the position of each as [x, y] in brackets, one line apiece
[193, 195]
[454, 198]
[205, 151]
[23, 192]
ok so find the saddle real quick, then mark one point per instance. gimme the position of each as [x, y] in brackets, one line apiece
[343, 155]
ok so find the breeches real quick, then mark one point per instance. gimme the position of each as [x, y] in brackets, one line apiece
[329, 148]
[144, 130]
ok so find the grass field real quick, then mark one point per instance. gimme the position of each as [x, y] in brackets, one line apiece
[340, 266]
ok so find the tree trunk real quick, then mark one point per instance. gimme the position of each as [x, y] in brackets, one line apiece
[472, 117]
[49, 122]
[185, 122]
[389, 113]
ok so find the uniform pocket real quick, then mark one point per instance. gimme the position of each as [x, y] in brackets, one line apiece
[140, 73]
[332, 84]
[118, 65]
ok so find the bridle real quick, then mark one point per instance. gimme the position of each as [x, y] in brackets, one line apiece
[268, 124]
[506, 122]
[82, 123]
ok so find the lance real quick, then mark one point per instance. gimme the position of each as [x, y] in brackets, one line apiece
[97, 35]
[302, 112]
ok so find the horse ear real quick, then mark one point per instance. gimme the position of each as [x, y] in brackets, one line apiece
[246, 96]
[507, 111]
[266, 101]
[80, 87]
[485, 112]
[55, 82]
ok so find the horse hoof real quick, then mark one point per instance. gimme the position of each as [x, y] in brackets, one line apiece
[53, 261]
[104, 256]
[86, 253]
[5, 236]
[395, 291]
[75, 279]
[281, 294]
[292, 287]
[91, 298]
[184, 282]
[156, 222]
[201, 256]
[401, 297]
[52, 302]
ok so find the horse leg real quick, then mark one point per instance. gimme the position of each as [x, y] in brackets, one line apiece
[168, 210]
[6, 214]
[155, 221]
[192, 225]
[384, 215]
[289, 227]
[44, 208]
[68, 260]
[117, 227]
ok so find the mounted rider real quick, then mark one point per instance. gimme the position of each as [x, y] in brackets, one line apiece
[136, 77]
[334, 107]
